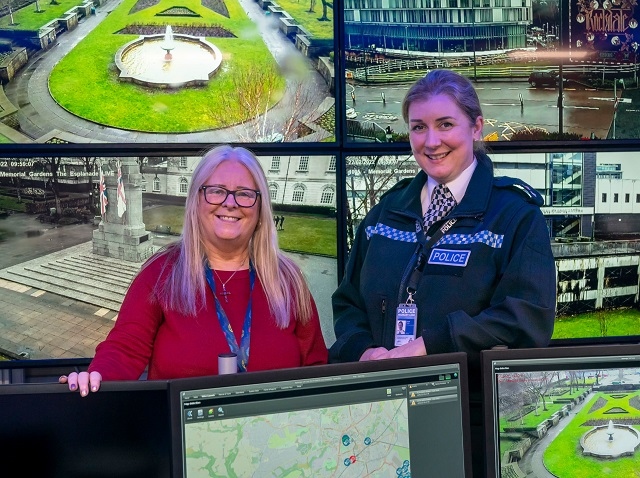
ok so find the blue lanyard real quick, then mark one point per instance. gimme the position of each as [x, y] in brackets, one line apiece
[242, 352]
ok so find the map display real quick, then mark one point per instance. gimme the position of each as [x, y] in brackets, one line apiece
[370, 439]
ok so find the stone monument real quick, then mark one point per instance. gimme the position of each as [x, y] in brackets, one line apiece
[124, 237]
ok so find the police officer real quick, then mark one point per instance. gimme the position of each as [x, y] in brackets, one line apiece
[463, 258]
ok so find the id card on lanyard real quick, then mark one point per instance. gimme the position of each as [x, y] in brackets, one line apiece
[407, 313]
[406, 323]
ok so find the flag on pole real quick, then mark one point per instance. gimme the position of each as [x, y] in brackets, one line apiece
[122, 200]
[103, 194]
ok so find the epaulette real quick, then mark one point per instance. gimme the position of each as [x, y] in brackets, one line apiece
[515, 184]
[403, 183]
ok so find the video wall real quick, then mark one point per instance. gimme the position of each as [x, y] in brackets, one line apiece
[155, 72]
[145, 86]
[60, 233]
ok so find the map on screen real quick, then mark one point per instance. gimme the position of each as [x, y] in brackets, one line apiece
[363, 439]
[386, 418]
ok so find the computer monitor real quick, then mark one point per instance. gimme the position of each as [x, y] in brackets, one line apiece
[400, 418]
[121, 431]
[563, 411]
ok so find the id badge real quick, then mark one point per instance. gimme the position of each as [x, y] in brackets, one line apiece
[406, 321]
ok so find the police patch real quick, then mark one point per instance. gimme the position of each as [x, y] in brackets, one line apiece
[447, 257]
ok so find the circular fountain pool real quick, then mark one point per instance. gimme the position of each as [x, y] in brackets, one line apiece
[610, 441]
[145, 61]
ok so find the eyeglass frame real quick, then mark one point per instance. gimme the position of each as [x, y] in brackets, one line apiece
[204, 187]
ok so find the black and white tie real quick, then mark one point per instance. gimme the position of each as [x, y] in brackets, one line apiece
[442, 201]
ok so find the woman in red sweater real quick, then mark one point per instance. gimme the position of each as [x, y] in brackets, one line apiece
[223, 287]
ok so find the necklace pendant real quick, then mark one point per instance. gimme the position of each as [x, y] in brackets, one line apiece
[225, 293]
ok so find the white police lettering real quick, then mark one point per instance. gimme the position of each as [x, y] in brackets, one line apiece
[448, 225]
[447, 257]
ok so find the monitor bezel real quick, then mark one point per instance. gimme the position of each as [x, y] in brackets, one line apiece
[487, 357]
[194, 383]
[65, 422]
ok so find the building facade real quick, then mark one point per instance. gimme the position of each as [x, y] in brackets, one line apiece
[409, 27]
[293, 180]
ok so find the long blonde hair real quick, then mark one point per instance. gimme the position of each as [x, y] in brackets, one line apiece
[282, 280]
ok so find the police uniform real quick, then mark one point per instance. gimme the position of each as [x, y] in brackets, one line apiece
[489, 280]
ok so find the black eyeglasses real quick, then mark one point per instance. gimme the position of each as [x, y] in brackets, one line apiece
[216, 195]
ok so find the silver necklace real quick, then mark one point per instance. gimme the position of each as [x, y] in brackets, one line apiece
[225, 293]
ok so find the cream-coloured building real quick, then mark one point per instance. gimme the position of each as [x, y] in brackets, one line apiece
[293, 179]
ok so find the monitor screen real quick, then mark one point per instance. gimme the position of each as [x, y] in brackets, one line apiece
[380, 418]
[564, 412]
[122, 431]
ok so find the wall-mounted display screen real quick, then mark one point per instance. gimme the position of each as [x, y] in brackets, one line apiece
[565, 412]
[70, 244]
[591, 206]
[155, 72]
[556, 70]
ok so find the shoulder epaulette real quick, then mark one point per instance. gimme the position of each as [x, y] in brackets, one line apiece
[403, 183]
[515, 184]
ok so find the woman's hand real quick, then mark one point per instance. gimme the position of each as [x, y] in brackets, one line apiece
[415, 348]
[374, 353]
[83, 381]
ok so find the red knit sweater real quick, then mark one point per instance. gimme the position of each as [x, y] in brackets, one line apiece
[173, 345]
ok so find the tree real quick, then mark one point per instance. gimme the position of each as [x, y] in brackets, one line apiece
[368, 177]
[52, 165]
[513, 399]
[545, 11]
[89, 163]
[256, 92]
[325, 5]
[142, 161]
[9, 5]
[602, 322]
[312, 5]
[538, 384]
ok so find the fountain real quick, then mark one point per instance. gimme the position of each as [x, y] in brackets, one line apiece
[610, 430]
[188, 60]
[168, 43]
[610, 441]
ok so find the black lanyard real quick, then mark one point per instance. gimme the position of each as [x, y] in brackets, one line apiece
[416, 274]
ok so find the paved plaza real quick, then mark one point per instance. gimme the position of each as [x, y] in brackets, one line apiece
[36, 323]
[59, 300]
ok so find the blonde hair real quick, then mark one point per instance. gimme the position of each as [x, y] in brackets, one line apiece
[282, 280]
[446, 82]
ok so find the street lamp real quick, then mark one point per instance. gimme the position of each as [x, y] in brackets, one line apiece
[473, 22]
[286, 179]
[406, 38]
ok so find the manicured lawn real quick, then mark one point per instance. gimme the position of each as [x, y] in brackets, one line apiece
[620, 322]
[311, 234]
[302, 233]
[563, 456]
[28, 19]
[299, 10]
[85, 81]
